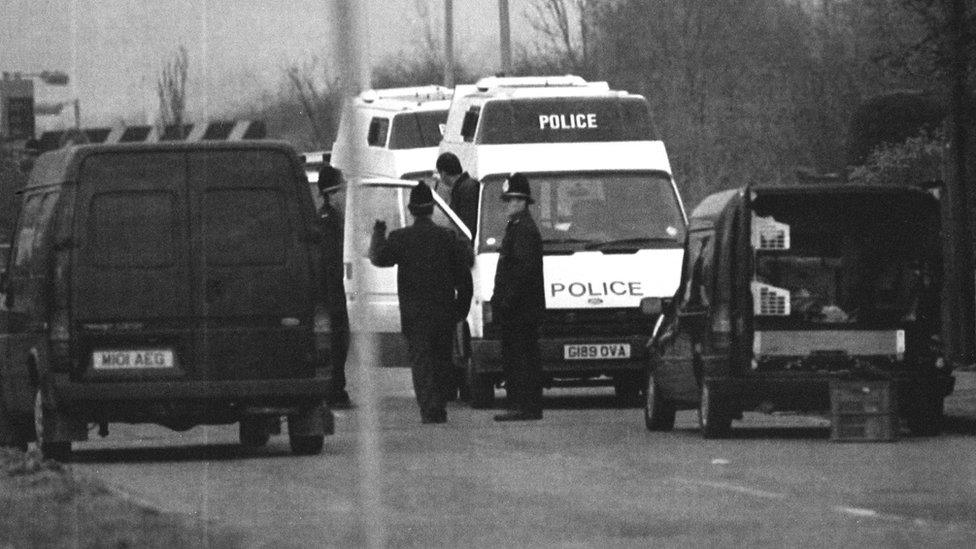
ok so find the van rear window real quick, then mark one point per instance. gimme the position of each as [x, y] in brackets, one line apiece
[132, 229]
[565, 120]
[418, 129]
[245, 226]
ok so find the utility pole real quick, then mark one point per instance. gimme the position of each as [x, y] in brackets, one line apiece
[959, 283]
[449, 43]
[505, 37]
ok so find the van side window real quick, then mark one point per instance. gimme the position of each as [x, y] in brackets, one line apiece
[470, 123]
[698, 266]
[378, 130]
[35, 220]
[132, 229]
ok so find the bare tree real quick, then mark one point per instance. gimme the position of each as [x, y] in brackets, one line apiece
[319, 100]
[567, 28]
[171, 88]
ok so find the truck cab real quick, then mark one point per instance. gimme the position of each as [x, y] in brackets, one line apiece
[608, 210]
[786, 289]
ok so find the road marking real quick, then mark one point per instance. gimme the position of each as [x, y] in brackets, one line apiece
[857, 511]
[755, 492]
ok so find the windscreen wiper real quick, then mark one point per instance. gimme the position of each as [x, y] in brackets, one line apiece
[630, 241]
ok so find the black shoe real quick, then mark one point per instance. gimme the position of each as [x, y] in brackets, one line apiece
[437, 417]
[518, 415]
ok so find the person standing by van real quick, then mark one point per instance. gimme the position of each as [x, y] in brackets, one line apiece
[331, 224]
[435, 288]
[519, 301]
[464, 189]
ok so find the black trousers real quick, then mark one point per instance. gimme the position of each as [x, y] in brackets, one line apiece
[522, 367]
[339, 349]
[430, 346]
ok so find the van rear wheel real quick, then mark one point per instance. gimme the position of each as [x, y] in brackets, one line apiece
[713, 418]
[658, 413]
[56, 450]
[254, 433]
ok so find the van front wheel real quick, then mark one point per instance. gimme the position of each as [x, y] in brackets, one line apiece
[715, 421]
[56, 450]
[658, 413]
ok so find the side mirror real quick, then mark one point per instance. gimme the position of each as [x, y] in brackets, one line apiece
[651, 306]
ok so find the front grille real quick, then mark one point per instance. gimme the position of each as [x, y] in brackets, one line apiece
[573, 322]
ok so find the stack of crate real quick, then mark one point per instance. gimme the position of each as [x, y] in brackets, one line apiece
[863, 411]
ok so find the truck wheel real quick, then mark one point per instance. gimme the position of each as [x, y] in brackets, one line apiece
[627, 388]
[306, 445]
[56, 450]
[481, 389]
[658, 413]
[253, 432]
[925, 416]
[714, 420]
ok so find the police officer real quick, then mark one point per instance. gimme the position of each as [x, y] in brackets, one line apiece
[331, 224]
[434, 284]
[464, 189]
[519, 302]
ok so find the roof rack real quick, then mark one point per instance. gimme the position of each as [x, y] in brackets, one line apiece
[413, 93]
[568, 80]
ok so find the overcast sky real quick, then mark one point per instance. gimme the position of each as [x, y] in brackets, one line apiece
[238, 49]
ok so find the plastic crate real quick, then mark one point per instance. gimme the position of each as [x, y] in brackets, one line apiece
[863, 411]
[862, 397]
[864, 427]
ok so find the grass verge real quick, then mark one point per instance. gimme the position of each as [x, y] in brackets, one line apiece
[42, 504]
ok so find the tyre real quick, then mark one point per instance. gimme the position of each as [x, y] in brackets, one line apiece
[253, 432]
[627, 389]
[715, 421]
[306, 445]
[481, 390]
[57, 450]
[658, 413]
[925, 416]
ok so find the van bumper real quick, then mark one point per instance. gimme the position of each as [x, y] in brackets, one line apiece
[67, 391]
[486, 356]
[812, 393]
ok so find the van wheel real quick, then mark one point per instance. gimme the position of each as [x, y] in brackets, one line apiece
[254, 433]
[306, 445]
[715, 421]
[481, 389]
[925, 416]
[627, 389]
[56, 450]
[658, 413]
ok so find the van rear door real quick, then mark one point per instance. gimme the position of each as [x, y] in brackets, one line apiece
[132, 296]
[255, 278]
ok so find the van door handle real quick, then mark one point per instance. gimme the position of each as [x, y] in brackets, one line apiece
[214, 289]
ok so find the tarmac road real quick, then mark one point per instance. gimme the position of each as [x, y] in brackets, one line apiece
[588, 474]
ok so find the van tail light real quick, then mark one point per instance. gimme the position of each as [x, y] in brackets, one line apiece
[60, 337]
[721, 328]
[322, 329]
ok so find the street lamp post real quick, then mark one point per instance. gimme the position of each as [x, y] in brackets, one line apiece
[17, 101]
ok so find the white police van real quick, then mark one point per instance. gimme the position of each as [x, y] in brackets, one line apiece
[396, 132]
[608, 210]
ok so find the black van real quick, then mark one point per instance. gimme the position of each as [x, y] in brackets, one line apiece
[784, 289]
[170, 283]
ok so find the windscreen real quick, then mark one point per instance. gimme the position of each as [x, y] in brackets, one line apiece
[418, 129]
[610, 211]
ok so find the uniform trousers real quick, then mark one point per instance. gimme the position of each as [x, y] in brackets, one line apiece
[339, 343]
[430, 346]
[522, 366]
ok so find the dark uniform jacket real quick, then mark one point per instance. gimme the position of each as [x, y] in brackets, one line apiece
[519, 296]
[330, 223]
[464, 200]
[434, 272]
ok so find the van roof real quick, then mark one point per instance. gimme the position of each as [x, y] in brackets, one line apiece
[538, 86]
[61, 165]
